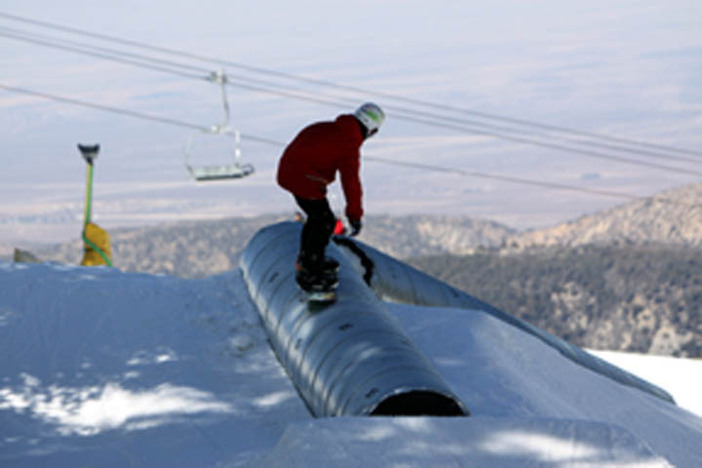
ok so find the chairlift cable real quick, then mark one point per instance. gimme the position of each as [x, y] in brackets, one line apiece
[560, 147]
[129, 58]
[130, 113]
[268, 141]
[467, 128]
[105, 54]
[114, 110]
[328, 83]
[531, 182]
[296, 95]
[502, 128]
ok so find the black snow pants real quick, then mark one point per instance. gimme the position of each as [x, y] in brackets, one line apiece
[316, 232]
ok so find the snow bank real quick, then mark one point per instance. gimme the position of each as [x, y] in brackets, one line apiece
[679, 376]
[502, 372]
[105, 368]
[457, 442]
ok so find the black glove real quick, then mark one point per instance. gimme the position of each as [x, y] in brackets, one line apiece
[355, 227]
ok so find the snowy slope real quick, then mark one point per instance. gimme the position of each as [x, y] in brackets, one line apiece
[104, 368]
[681, 377]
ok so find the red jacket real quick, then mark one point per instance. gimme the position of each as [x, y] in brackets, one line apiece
[311, 161]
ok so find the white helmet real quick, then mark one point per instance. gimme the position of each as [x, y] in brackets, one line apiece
[371, 116]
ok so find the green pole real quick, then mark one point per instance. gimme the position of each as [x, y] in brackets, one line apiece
[89, 154]
[88, 194]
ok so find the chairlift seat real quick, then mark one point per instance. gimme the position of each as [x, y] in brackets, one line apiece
[223, 172]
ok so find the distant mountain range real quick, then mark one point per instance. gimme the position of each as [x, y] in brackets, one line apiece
[672, 217]
[629, 278]
[201, 248]
[197, 249]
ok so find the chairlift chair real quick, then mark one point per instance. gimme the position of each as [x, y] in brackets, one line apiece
[222, 172]
[233, 170]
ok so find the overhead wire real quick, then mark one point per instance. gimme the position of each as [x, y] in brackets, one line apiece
[524, 181]
[400, 113]
[168, 66]
[331, 84]
[268, 141]
[128, 113]
[555, 146]
[607, 146]
[477, 128]
[120, 56]
[102, 53]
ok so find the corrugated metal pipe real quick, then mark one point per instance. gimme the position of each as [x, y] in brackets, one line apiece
[398, 282]
[348, 358]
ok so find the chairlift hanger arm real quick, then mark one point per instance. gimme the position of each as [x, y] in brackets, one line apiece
[220, 77]
[226, 171]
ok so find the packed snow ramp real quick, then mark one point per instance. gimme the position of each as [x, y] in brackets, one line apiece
[398, 282]
[347, 358]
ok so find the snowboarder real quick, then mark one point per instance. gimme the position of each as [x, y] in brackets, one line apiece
[310, 163]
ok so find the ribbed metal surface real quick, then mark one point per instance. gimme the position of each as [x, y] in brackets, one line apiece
[348, 358]
[402, 283]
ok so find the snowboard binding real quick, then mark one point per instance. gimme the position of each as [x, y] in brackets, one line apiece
[319, 284]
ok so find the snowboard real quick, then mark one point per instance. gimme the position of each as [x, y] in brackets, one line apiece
[319, 288]
[321, 297]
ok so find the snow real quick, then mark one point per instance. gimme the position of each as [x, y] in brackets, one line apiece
[105, 368]
[116, 369]
[682, 378]
[488, 442]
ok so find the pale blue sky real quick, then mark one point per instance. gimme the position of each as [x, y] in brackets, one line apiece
[631, 69]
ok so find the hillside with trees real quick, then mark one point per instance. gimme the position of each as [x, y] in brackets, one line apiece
[644, 299]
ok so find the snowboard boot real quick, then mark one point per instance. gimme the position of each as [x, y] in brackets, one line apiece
[316, 276]
[316, 282]
[327, 266]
